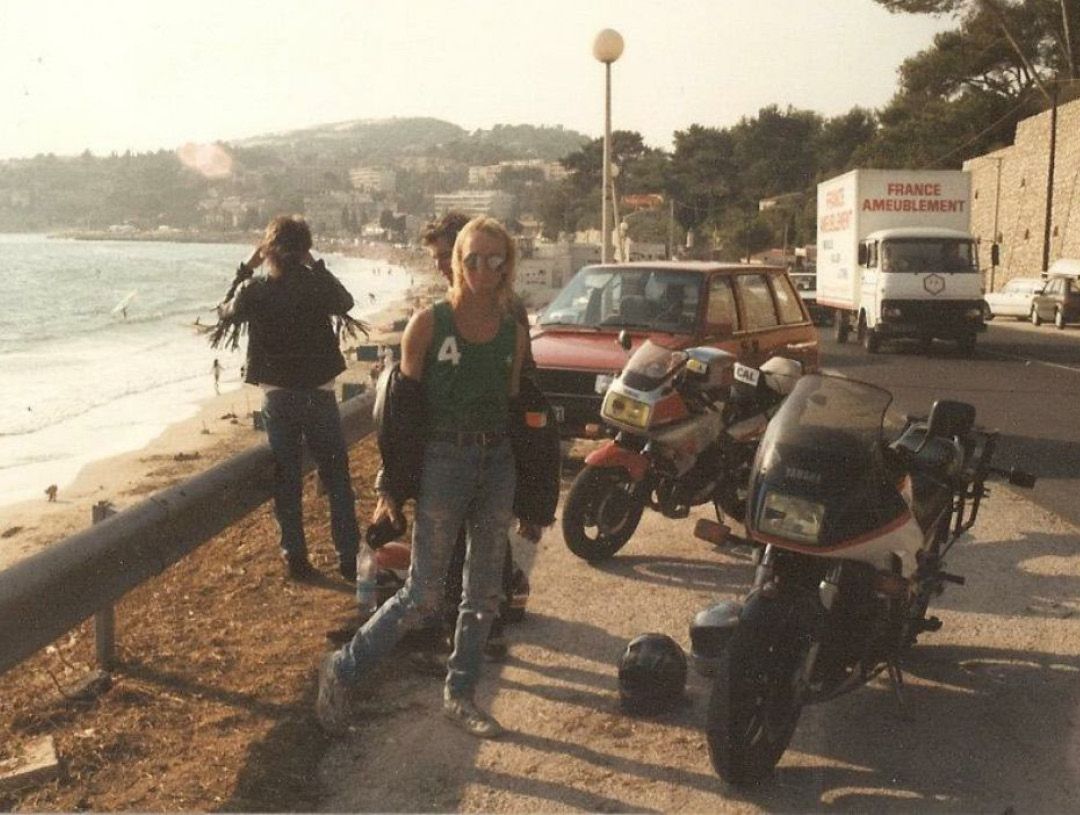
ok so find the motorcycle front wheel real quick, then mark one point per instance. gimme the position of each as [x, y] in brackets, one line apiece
[601, 512]
[752, 710]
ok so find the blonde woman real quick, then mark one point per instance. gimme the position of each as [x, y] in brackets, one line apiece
[464, 354]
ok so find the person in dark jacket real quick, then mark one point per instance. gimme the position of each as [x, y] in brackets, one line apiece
[294, 316]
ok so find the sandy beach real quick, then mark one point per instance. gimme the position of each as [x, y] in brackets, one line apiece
[222, 427]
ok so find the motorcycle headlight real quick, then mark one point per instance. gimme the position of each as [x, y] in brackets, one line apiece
[624, 410]
[787, 516]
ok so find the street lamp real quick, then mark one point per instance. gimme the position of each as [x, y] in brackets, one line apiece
[607, 47]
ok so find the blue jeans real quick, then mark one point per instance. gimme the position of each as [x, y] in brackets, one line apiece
[460, 484]
[291, 417]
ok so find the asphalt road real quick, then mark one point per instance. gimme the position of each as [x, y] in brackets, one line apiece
[1024, 381]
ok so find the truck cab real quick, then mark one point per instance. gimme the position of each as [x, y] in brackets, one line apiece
[919, 283]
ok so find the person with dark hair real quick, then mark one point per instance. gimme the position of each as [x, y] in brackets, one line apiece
[461, 364]
[295, 316]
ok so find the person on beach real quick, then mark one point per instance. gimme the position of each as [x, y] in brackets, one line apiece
[461, 361]
[296, 316]
[51, 491]
[216, 369]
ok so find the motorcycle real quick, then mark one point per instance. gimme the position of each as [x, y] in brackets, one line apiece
[854, 531]
[686, 425]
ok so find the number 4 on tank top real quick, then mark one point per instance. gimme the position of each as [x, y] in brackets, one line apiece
[448, 351]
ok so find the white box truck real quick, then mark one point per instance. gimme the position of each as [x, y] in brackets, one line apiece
[896, 258]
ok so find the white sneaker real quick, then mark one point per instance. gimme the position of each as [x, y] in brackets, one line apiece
[465, 714]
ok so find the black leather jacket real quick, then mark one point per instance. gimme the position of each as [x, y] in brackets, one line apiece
[291, 341]
[401, 422]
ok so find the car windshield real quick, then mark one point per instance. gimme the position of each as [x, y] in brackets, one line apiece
[928, 255]
[632, 297]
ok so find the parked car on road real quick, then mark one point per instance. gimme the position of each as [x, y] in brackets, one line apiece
[1014, 298]
[750, 311]
[806, 286]
[1059, 301]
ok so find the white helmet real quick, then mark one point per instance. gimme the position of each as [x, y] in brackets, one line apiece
[781, 374]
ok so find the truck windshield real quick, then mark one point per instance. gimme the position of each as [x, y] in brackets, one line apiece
[928, 255]
[605, 297]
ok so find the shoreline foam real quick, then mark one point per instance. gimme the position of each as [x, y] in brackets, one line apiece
[222, 427]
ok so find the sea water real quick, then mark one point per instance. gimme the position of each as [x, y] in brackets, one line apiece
[99, 351]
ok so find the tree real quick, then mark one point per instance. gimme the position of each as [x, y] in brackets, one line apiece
[1040, 34]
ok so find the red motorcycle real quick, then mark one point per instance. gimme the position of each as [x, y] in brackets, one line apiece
[687, 424]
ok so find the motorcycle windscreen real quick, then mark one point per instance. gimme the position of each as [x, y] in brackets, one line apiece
[651, 365]
[819, 478]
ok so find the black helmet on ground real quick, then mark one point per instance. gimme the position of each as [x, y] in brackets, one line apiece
[652, 674]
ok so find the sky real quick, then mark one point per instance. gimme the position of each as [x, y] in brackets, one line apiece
[147, 74]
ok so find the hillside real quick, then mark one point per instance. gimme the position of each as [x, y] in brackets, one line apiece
[299, 170]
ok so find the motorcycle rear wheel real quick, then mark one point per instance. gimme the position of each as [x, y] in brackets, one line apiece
[601, 512]
[752, 713]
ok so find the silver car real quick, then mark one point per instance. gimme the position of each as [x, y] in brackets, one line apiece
[1014, 299]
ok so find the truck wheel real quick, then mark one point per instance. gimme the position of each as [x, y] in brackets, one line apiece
[841, 326]
[871, 340]
[1059, 319]
[1035, 318]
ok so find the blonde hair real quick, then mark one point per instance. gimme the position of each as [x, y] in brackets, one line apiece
[504, 292]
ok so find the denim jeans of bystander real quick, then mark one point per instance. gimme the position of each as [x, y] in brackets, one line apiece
[468, 484]
[292, 417]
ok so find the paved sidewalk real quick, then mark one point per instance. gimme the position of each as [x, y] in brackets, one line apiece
[993, 698]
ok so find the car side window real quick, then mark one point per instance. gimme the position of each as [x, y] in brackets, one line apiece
[787, 301]
[721, 302]
[1052, 287]
[756, 300]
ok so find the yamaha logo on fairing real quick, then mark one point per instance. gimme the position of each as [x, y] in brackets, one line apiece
[799, 474]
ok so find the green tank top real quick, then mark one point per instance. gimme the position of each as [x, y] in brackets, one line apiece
[467, 384]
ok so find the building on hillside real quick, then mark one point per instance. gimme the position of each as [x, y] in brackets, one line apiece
[496, 203]
[337, 212]
[1009, 190]
[487, 174]
[373, 179]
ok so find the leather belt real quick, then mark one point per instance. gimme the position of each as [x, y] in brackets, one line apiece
[469, 438]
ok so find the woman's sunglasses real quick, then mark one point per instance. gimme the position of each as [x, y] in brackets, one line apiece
[493, 263]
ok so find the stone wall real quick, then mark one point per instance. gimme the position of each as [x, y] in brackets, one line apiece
[1021, 209]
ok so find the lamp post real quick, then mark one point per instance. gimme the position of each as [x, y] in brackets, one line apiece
[607, 47]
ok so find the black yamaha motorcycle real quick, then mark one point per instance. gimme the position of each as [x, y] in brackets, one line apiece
[854, 532]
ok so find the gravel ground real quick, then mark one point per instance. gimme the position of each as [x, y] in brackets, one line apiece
[992, 699]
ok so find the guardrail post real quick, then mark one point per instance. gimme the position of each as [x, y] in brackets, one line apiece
[105, 619]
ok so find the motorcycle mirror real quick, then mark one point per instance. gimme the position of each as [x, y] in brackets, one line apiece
[624, 340]
[949, 418]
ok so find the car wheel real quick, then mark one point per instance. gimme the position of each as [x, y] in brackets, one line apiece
[1059, 318]
[1035, 318]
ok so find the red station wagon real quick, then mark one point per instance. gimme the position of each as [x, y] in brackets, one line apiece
[750, 311]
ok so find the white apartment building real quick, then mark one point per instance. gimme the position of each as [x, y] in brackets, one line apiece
[496, 203]
[487, 174]
[373, 179]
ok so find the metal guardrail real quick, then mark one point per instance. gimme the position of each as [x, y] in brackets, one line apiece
[49, 593]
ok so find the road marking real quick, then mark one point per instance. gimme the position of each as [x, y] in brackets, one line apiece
[1003, 355]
